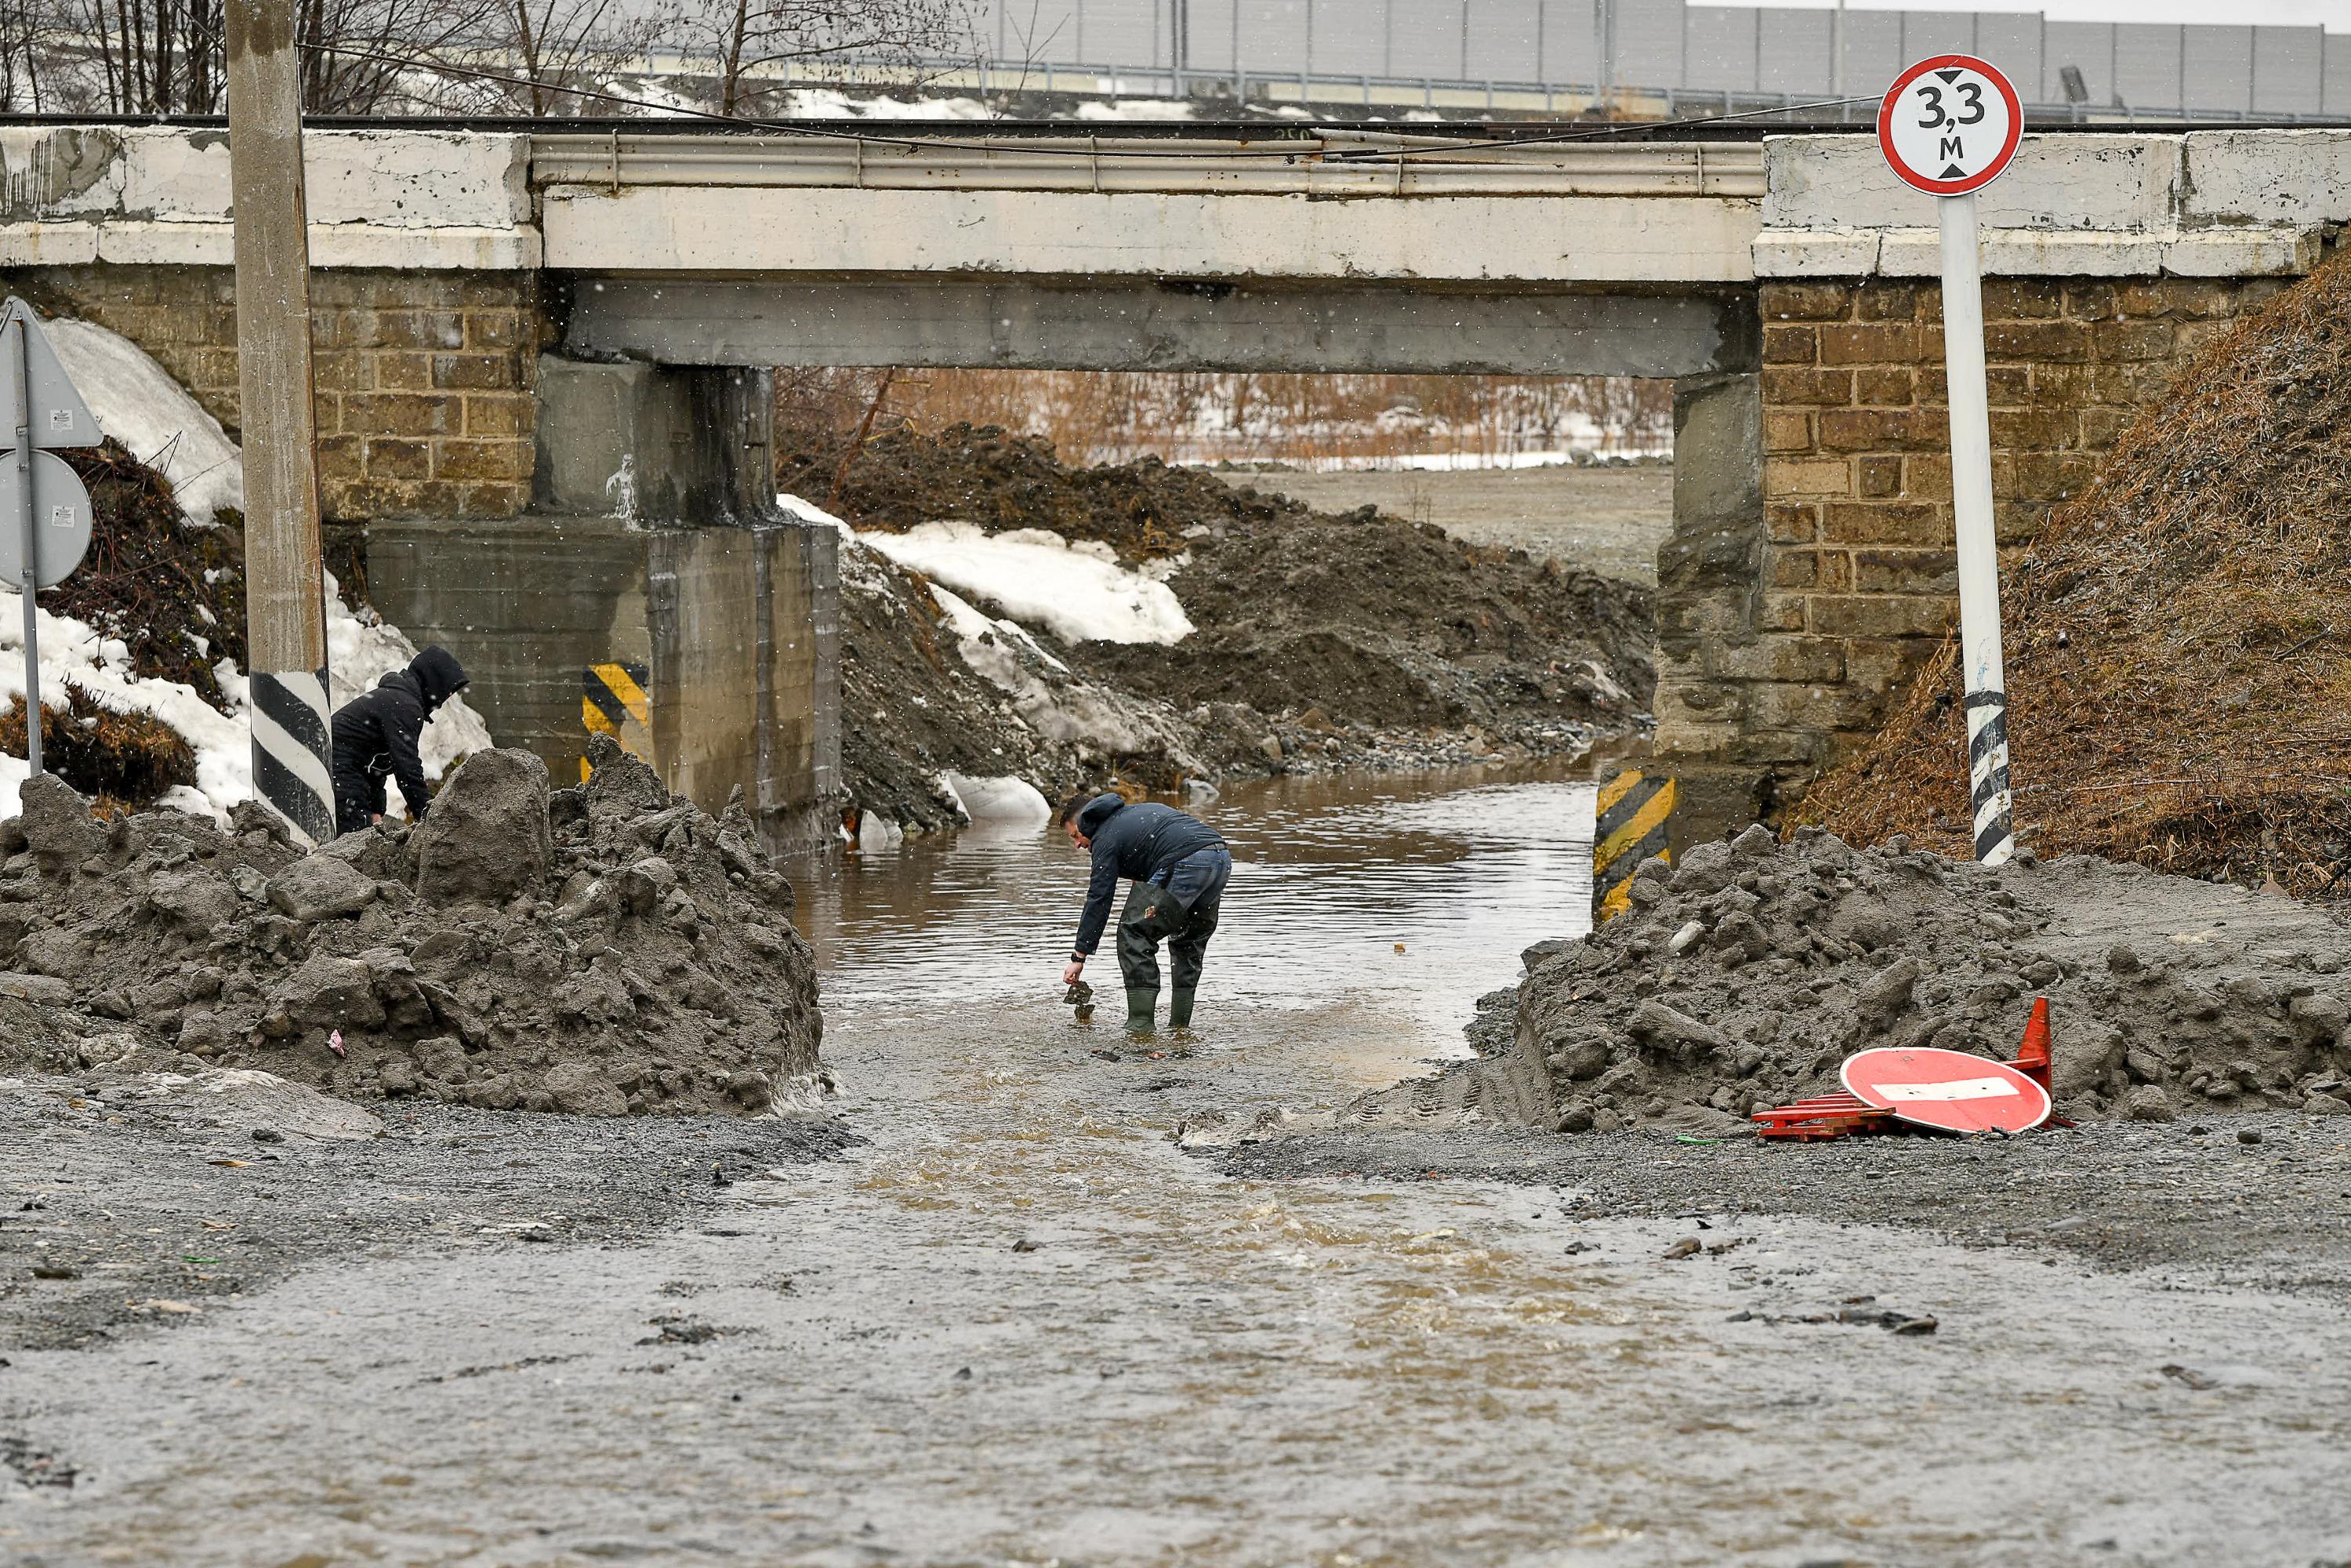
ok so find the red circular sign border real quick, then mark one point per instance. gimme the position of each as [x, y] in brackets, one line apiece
[1916, 180]
[1845, 1076]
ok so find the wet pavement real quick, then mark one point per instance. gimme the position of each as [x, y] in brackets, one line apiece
[1019, 1326]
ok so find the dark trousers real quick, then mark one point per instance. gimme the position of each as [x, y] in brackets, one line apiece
[1181, 914]
[359, 800]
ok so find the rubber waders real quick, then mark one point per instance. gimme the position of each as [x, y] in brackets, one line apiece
[1140, 1005]
[1179, 1008]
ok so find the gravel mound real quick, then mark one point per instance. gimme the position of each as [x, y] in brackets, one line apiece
[605, 949]
[1745, 977]
[2176, 637]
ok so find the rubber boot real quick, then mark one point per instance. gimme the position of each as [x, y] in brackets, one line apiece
[1179, 1008]
[1140, 1005]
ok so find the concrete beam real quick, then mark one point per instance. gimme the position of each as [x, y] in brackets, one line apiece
[1157, 324]
[2301, 178]
[1616, 240]
[2057, 184]
[144, 195]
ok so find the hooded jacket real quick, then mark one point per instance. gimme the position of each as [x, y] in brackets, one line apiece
[376, 734]
[1135, 842]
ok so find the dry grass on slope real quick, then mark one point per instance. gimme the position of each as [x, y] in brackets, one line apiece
[2179, 642]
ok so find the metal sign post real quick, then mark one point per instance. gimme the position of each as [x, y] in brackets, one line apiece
[1949, 126]
[19, 382]
[40, 493]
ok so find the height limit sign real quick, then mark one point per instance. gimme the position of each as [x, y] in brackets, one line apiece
[1949, 126]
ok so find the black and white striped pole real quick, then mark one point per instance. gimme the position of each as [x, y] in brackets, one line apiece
[285, 580]
[1949, 126]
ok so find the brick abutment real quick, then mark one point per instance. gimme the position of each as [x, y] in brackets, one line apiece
[1788, 625]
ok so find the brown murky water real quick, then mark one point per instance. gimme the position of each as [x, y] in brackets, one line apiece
[1020, 1327]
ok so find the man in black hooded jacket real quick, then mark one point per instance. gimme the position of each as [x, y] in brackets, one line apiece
[376, 735]
[1179, 868]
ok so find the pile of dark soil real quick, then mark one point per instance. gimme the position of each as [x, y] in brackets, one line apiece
[602, 949]
[912, 708]
[173, 594]
[1745, 977]
[2179, 641]
[982, 474]
[1323, 642]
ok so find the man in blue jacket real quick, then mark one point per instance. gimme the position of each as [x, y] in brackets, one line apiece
[1179, 868]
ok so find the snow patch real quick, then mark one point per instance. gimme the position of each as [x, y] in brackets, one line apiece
[809, 512]
[970, 625]
[138, 404]
[997, 799]
[359, 653]
[1078, 591]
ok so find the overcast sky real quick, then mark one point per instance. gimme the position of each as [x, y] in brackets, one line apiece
[2334, 16]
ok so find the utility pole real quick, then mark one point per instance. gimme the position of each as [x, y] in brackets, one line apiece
[286, 608]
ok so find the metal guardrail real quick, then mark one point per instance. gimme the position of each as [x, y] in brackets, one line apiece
[1437, 166]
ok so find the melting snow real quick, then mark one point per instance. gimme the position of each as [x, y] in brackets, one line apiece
[138, 404]
[1079, 591]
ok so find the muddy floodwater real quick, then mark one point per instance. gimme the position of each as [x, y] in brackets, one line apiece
[1019, 1325]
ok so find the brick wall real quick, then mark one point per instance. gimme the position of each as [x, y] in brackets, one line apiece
[1852, 581]
[424, 397]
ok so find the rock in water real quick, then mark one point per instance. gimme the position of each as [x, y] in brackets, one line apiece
[487, 838]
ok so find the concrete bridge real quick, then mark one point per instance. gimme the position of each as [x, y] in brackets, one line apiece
[543, 360]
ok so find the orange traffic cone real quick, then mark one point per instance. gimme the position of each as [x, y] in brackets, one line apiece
[2032, 1056]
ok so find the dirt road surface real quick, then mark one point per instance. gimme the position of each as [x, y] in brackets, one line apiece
[1019, 1325]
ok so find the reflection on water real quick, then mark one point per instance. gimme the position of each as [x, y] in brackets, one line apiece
[1330, 877]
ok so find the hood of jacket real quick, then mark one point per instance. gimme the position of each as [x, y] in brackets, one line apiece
[437, 674]
[1097, 812]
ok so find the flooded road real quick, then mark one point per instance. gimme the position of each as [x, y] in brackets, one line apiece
[1019, 1326]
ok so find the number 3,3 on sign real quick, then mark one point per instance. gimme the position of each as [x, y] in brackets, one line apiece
[1950, 125]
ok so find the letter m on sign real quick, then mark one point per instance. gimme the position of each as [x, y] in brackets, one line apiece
[1951, 151]
[616, 700]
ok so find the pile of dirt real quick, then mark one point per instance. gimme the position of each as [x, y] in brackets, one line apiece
[2179, 673]
[1322, 641]
[912, 709]
[173, 592]
[1744, 978]
[602, 949]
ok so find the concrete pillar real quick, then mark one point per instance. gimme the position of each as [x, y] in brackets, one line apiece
[654, 542]
[656, 445]
[1711, 603]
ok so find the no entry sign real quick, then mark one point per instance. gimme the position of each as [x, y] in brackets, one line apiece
[1950, 125]
[1948, 1089]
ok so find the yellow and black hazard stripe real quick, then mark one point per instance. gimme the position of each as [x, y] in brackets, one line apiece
[613, 701]
[1630, 824]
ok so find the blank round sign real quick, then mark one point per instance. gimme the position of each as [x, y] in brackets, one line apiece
[1950, 125]
[61, 520]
